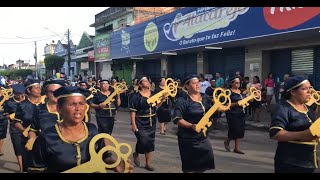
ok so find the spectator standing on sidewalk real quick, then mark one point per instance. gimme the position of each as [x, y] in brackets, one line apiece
[269, 84]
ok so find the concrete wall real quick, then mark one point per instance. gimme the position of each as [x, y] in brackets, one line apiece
[106, 72]
[200, 62]
[164, 67]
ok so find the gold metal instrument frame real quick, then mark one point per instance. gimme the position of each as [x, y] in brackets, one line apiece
[96, 163]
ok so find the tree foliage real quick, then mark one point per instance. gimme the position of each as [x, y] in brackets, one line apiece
[53, 62]
[16, 73]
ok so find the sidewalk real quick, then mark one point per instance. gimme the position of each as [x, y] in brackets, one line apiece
[263, 125]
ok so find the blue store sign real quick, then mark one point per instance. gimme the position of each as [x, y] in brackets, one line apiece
[199, 26]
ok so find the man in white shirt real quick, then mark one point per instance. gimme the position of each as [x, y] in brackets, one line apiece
[204, 84]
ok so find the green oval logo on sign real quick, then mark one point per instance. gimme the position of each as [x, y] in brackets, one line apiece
[151, 37]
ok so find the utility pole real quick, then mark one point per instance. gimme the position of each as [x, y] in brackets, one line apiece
[69, 57]
[35, 58]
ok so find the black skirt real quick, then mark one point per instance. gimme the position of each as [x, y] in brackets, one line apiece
[145, 135]
[196, 154]
[236, 125]
[105, 124]
[3, 128]
[287, 168]
[164, 115]
[16, 142]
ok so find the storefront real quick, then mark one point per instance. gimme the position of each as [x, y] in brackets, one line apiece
[252, 40]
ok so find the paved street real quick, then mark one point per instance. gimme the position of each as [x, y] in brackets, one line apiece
[258, 147]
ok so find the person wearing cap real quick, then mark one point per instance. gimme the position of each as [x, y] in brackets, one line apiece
[181, 91]
[24, 115]
[3, 125]
[296, 150]
[46, 115]
[10, 108]
[195, 149]
[164, 111]
[66, 144]
[235, 117]
[83, 85]
[210, 89]
[143, 122]
[105, 114]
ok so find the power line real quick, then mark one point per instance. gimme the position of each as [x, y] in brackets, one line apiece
[26, 42]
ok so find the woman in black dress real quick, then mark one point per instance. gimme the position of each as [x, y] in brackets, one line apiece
[235, 117]
[105, 114]
[143, 122]
[297, 148]
[3, 127]
[66, 144]
[195, 148]
[164, 111]
[24, 115]
[10, 108]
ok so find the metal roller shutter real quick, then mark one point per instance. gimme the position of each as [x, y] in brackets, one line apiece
[302, 62]
[316, 70]
[183, 65]
[280, 63]
[152, 68]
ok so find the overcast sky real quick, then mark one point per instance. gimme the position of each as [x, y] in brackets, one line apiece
[21, 26]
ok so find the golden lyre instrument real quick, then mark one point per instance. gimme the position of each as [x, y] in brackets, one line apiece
[315, 128]
[222, 102]
[12, 116]
[170, 88]
[315, 97]
[118, 88]
[96, 163]
[253, 94]
[93, 90]
[26, 131]
[136, 88]
[29, 144]
[6, 93]
[43, 98]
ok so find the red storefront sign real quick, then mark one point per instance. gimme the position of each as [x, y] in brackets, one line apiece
[91, 56]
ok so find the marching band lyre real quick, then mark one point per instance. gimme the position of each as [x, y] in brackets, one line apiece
[118, 88]
[171, 88]
[222, 102]
[315, 97]
[6, 93]
[253, 94]
[96, 163]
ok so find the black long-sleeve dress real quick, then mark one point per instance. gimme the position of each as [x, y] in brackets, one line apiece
[164, 111]
[10, 107]
[3, 123]
[24, 115]
[105, 116]
[145, 121]
[56, 154]
[195, 149]
[293, 156]
[235, 118]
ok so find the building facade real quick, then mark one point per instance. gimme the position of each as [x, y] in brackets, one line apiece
[252, 40]
[116, 19]
[84, 57]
